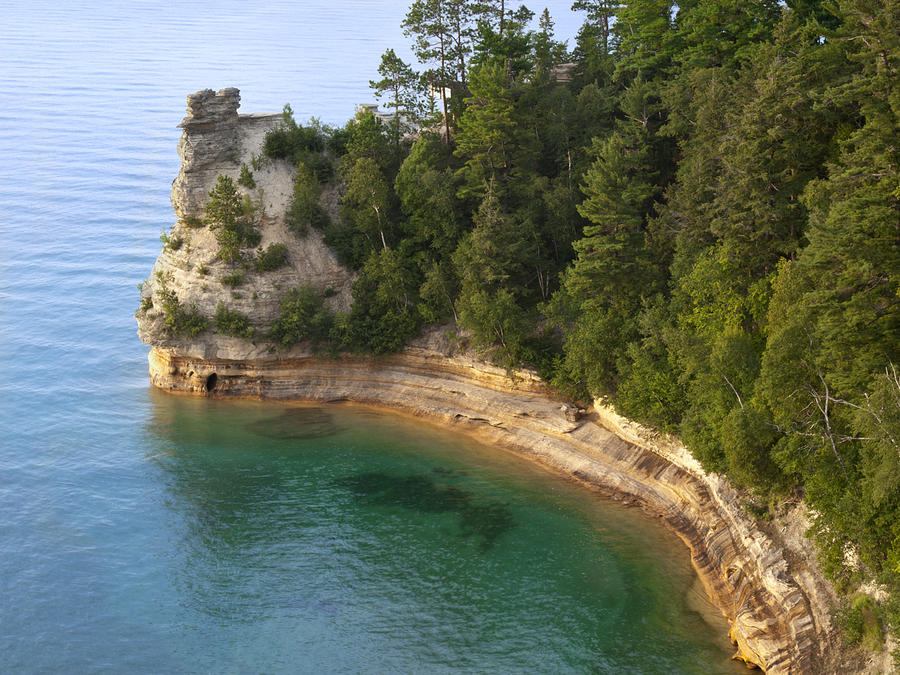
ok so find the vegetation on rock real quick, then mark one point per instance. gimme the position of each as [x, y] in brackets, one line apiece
[232, 322]
[178, 319]
[304, 209]
[232, 219]
[693, 212]
[273, 257]
[304, 318]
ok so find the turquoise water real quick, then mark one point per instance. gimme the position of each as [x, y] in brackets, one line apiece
[141, 532]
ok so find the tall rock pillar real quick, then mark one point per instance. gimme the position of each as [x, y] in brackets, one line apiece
[209, 145]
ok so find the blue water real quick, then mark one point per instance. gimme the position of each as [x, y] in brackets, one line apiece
[141, 532]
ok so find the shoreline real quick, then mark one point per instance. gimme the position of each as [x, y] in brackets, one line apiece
[774, 623]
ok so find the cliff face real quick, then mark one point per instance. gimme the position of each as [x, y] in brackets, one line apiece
[745, 574]
[217, 140]
[777, 619]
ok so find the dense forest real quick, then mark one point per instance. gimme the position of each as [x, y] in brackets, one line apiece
[694, 211]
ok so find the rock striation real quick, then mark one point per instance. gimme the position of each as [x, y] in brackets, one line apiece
[776, 621]
[745, 574]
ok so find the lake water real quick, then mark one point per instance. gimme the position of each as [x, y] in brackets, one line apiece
[141, 532]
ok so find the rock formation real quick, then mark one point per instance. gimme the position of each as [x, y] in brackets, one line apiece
[217, 140]
[774, 622]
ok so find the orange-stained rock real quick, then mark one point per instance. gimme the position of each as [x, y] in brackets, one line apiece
[743, 572]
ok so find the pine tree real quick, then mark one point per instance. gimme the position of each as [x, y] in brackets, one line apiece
[403, 87]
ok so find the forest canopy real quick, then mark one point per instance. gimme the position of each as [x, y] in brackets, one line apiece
[693, 210]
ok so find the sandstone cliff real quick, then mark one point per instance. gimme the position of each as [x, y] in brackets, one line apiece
[217, 140]
[778, 617]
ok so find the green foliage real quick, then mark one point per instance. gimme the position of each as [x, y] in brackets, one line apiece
[193, 222]
[366, 207]
[383, 315]
[246, 178]
[427, 194]
[171, 241]
[437, 293]
[304, 209]
[367, 137]
[297, 143]
[274, 257]
[304, 318]
[403, 88]
[232, 219]
[489, 134]
[494, 319]
[232, 322]
[701, 225]
[179, 320]
[860, 621]
[233, 279]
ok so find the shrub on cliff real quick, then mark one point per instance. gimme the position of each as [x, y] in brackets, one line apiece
[178, 319]
[304, 209]
[231, 218]
[246, 177]
[383, 316]
[232, 322]
[233, 280]
[304, 318]
[273, 257]
[297, 143]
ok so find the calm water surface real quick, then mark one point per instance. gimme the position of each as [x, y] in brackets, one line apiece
[141, 532]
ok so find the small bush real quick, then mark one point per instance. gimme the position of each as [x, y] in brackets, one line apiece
[179, 320]
[274, 257]
[861, 622]
[246, 178]
[233, 280]
[194, 222]
[146, 305]
[232, 322]
[304, 317]
[171, 241]
[291, 139]
[202, 270]
[232, 219]
[304, 209]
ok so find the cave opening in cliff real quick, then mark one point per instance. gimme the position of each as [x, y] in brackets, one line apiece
[211, 382]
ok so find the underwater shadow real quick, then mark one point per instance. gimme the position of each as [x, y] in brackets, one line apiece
[485, 519]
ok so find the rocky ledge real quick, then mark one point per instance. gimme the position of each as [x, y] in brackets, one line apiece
[772, 622]
[778, 614]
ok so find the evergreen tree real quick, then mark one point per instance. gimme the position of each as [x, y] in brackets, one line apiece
[611, 273]
[366, 201]
[228, 218]
[382, 318]
[427, 194]
[403, 87]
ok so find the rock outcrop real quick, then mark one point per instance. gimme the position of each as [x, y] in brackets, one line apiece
[217, 140]
[210, 145]
[771, 614]
[744, 573]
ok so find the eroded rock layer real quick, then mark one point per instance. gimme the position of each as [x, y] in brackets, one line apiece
[743, 572]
